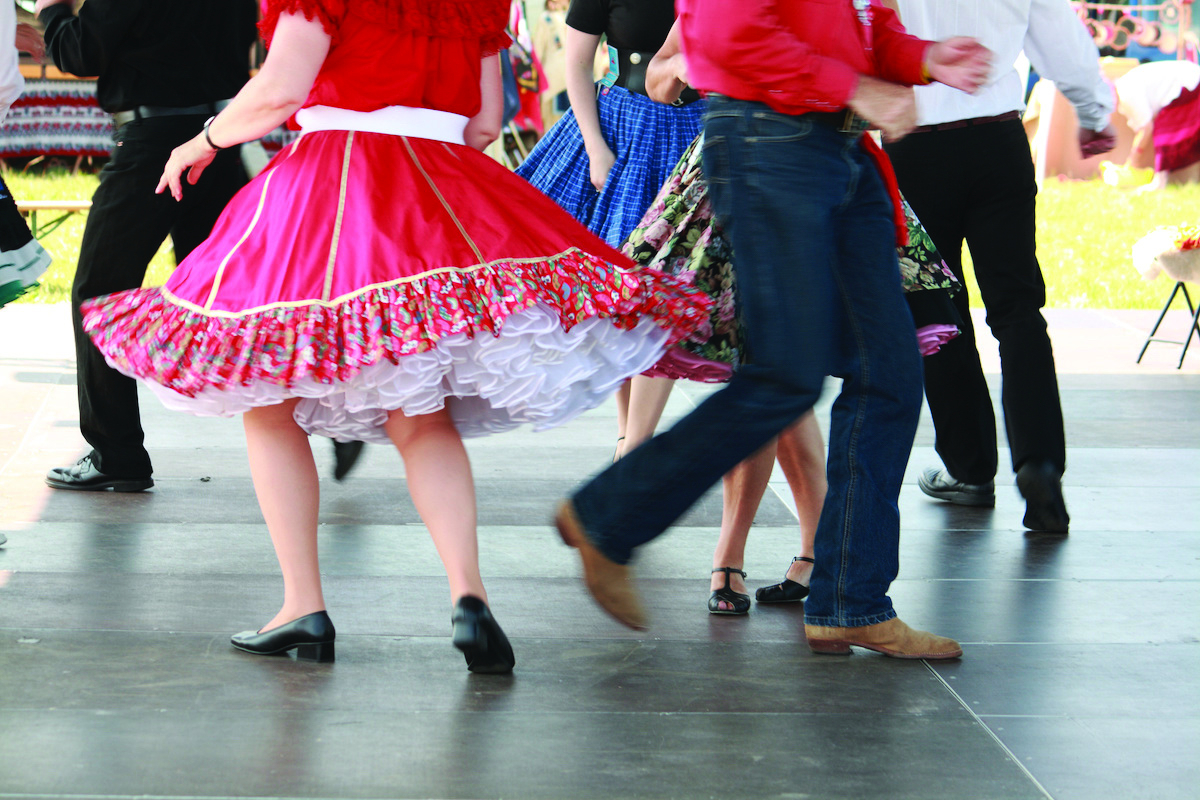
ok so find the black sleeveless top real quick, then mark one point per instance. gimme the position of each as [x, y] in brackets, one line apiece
[640, 25]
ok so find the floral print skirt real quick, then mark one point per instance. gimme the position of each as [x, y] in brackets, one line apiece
[680, 235]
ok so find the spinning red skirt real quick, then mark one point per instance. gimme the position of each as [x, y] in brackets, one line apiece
[365, 272]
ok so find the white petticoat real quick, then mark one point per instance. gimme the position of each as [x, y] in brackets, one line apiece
[532, 373]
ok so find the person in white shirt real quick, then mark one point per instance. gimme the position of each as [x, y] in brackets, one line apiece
[1161, 102]
[968, 174]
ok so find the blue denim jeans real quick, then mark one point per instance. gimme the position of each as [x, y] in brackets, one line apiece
[819, 292]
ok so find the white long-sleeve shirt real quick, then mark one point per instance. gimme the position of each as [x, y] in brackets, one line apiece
[11, 81]
[1050, 33]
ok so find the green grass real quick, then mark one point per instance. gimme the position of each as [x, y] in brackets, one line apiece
[1085, 233]
[63, 243]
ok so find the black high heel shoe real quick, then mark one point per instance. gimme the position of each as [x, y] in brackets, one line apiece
[786, 591]
[478, 636]
[310, 636]
[740, 602]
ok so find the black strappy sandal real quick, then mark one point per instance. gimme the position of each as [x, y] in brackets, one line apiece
[786, 591]
[739, 601]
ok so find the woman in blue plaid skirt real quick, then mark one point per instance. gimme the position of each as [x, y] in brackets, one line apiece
[606, 159]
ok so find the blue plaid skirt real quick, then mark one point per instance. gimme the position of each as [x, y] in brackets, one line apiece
[648, 139]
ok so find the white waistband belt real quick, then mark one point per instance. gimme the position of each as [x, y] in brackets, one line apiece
[421, 123]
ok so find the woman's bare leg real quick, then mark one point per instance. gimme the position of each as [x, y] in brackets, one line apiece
[622, 416]
[443, 490]
[802, 457]
[647, 399]
[285, 481]
[742, 491]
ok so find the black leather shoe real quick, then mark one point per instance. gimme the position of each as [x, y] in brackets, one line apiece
[345, 456]
[478, 636]
[739, 604]
[940, 484]
[1041, 486]
[84, 477]
[786, 591]
[311, 636]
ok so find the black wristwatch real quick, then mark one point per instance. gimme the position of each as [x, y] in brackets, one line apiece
[207, 123]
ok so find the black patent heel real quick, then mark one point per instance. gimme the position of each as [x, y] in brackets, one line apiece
[479, 637]
[321, 653]
[311, 636]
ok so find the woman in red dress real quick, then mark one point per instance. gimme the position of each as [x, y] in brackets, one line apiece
[382, 280]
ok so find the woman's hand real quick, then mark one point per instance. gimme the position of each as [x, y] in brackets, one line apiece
[599, 166]
[192, 157]
[29, 40]
[961, 62]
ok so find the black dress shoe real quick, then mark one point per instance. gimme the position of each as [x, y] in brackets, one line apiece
[83, 476]
[311, 636]
[786, 591]
[942, 485]
[345, 456]
[1041, 486]
[478, 636]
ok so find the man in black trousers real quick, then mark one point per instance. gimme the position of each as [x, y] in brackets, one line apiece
[968, 174]
[163, 68]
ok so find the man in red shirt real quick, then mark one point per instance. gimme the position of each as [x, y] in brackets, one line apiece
[812, 213]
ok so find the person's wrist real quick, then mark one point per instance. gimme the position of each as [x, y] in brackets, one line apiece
[208, 135]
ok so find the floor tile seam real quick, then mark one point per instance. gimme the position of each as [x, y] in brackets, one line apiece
[543, 577]
[948, 715]
[61, 796]
[1084, 717]
[615, 638]
[991, 733]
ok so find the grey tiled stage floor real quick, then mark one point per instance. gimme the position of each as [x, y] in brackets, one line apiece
[116, 678]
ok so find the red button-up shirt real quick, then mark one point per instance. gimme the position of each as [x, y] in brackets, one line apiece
[794, 55]
[798, 56]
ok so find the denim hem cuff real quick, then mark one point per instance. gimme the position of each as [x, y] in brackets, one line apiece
[850, 622]
[598, 539]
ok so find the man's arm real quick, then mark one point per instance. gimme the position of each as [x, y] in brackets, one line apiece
[1060, 49]
[85, 45]
[898, 55]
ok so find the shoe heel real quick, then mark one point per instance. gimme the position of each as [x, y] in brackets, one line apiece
[467, 636]
[830, 647]
[322, 653]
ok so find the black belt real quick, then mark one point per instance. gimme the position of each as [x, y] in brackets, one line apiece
[844, 121]
[631, 75]
[145, 112]
[1007, 116]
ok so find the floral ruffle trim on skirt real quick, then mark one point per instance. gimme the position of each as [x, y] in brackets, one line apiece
[503, 344]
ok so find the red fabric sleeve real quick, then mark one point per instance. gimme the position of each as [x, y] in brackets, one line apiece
[328, 12]
[494, 43]
[898, 55]
[755, 36]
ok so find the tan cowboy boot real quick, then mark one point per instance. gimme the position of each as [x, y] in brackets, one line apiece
[892, 638]
[607, 580]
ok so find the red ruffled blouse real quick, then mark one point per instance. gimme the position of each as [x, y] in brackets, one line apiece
[421, 53]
